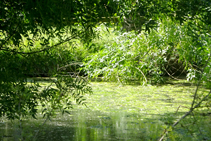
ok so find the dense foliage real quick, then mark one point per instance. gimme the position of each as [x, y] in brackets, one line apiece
[167, 51]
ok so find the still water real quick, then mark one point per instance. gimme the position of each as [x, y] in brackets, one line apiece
[114, 113]
[86, 125]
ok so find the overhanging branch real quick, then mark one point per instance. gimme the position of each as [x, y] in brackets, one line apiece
[44, 49]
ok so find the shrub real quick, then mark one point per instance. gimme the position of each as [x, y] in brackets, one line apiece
[167, 50]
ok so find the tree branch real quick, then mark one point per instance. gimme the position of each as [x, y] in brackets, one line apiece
[47, 48]
[188, 113]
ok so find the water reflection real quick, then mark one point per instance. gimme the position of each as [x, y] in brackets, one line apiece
[87, 125]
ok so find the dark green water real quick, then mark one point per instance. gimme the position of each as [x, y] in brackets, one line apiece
[85, 125]
[114, 113]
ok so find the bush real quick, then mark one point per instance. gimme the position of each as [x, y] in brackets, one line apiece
[167, 50]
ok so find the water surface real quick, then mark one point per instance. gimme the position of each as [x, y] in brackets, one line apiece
[115, 112]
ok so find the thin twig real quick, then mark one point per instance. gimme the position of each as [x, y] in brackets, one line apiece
[142, 74]
[181, 106]
[170, 74]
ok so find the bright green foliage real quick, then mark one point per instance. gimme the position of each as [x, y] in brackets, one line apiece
[120, 60]
[168, 50]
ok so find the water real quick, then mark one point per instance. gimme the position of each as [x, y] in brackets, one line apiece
[114, 113]
[86, 125]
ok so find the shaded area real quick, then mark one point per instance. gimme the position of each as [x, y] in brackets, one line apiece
[92, 125]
